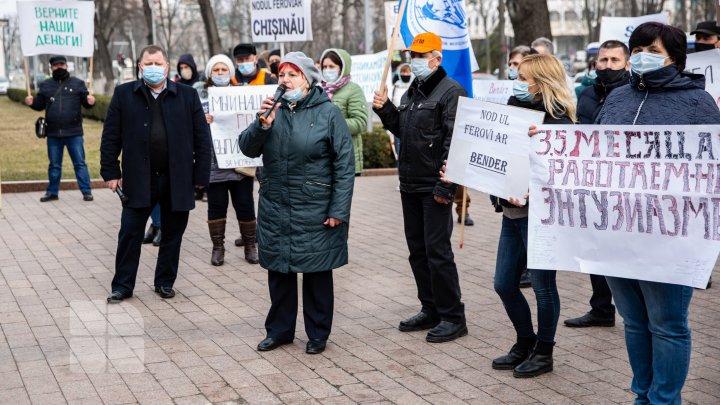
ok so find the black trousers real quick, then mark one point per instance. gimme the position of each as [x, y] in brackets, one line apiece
[428, 227]
[318, 304]
[601, 299]
[241, 194]
[132, 231]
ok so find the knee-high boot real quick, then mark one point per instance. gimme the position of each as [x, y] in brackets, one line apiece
[247, 233]
[217, 235]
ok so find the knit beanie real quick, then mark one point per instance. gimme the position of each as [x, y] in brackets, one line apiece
[306, 65]
[219, 58]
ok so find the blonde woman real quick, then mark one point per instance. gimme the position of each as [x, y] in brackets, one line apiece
[540, 85]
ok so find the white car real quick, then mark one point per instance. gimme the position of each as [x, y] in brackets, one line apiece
[4, 84]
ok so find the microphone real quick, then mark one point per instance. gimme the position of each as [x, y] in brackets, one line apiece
[123, 197]
[278, 93]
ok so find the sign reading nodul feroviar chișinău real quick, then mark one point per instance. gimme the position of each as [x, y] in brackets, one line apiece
[57, 27]
[638, 202]
[281, 20]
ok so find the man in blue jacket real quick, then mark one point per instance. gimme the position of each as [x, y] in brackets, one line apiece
[160, 128]
[62, 96]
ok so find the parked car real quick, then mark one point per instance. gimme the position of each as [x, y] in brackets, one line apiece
[4, 84]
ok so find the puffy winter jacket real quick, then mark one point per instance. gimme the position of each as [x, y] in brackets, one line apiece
[64, 112]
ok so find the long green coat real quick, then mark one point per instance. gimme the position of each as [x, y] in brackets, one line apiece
[351, 101]
[307, 177]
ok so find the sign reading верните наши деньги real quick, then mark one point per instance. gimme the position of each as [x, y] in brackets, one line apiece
[57, 27]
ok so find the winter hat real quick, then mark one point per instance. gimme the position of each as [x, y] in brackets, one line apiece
[219, 58]
[306, 65]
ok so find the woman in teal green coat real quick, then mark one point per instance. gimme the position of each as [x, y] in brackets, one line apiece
[304, 201]
[348, 96]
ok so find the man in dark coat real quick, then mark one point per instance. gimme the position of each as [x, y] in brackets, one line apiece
[161, 130]
[63, 96]
[613, 71]
[424, 122]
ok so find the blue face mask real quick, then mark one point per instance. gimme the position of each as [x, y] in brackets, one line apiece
[294, 95]
[221, 80]
[420, 68]
[246, 68]
[646, 62]
[592, 74]
[153, 74]
[330, 75]
[521, 92]
[512, 73]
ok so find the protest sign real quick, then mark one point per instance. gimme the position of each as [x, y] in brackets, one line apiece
[494, 91]
[620, 28]
[639, 202]
[57, 27]
[233, 109]
[391, 15]
[707, 63]
[489, 149]
[281, 20]
[367, 71]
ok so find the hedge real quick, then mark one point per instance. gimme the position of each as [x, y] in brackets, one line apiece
[97, 112]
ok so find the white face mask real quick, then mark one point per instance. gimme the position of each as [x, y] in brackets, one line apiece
[421, 68]
[646, 62]
[330, 75]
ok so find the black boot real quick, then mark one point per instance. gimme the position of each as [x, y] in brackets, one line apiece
[217, 236]
[525, 281]
[539, 362]
[519, 352]
[150, 234]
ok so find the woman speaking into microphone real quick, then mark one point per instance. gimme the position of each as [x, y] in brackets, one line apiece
[304, 201]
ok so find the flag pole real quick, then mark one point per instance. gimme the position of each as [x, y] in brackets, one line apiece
[391, 47]
[463, 212]
[27, 75]
[90, 76]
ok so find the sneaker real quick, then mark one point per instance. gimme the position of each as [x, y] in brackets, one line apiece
[49, 197]
[88, 197]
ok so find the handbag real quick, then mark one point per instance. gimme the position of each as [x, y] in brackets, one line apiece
[246, 171]
[41, 128]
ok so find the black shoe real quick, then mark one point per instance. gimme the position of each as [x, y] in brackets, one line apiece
[315, 346]
[446, 331]
[116, 297]
[709, 284]
[534, 365]
[49, 197]
[525, 281]
[515, 356]
[468, 220]
[421, 321]
[239, 242]
[165, 292]
[158, 238]
[269, 343]
[589, 320]
[88, 197]
[150, 234]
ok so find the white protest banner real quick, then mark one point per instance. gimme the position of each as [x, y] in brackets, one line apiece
[367, 72]
[494, 91]
[233, 109]
[281, 20]
[639, 202]
[620, 28]
[391, 14]
[489, 149]
[57, 27]
[707, 63]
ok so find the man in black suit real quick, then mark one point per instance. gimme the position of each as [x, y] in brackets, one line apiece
[160, 128]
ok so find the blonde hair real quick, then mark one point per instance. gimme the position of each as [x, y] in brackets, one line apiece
[549, 75]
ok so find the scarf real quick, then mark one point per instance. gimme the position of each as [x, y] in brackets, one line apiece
[331, 88]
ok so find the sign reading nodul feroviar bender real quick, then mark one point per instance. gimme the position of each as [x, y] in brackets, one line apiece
[281, 20]
[57, 27]
[638, 202]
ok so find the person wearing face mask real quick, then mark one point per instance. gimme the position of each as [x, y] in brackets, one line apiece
[424, 122]
[347, 96]
[707, 36]
[248, 72]
[400, 86]
[305, 196]
[613, 71]
[160, 129]
[62, 97]
[227, 181]
[514, 60]
[274, 61]
[187, 70]
[539, 86]
[655, 315]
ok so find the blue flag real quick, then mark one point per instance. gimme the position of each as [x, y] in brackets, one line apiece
[446, 18]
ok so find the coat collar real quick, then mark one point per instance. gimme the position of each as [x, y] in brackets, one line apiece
[140, 83]
[427, 86]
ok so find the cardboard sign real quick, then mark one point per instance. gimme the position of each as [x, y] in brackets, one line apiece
[494, 91]
[57, 27]
[707, 63]
[281, 20]
[367, 71]
[620, 28]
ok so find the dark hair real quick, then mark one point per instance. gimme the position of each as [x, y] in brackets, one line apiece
[673, 39]
[522, 50]
[334, 57]
[613, 44]
[153, 49]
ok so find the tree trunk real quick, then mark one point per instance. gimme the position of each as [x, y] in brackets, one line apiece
[148, 20]
[103, 61]
[345, 24]
[530, 19]
[211, 29]
[503, 43]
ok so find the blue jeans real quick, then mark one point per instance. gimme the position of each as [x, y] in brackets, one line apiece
[657, 336]
[155, 215]
[511, 261]
[76, 150]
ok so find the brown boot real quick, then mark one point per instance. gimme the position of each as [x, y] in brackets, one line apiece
[217, 235]
[239, 242]
[247, 233]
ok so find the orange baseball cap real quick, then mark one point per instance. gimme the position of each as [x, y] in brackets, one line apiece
[426, 42]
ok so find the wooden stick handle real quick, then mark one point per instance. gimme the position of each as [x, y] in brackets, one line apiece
[391, 48]
[27, 76]
[462, 217]
[90, 76]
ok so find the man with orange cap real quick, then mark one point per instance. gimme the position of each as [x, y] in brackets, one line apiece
[424, 123]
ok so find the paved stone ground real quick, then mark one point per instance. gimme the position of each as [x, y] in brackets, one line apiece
[61, 343]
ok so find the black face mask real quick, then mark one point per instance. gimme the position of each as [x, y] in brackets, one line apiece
[274, 68]
[703, 47]
[609, 76]
[59, 73]
[405, 78]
